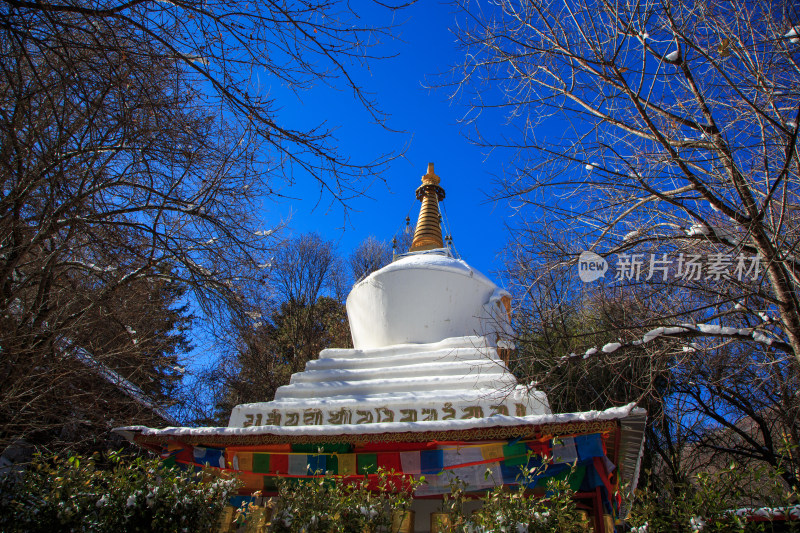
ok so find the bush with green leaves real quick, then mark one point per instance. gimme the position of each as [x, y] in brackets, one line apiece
[516, 509]
[116, 494]
[325, 505]
[120, 493]
[718, 502]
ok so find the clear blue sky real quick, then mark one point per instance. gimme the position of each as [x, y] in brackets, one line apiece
[430, 130]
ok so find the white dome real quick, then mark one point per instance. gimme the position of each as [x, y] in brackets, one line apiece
[424, 297]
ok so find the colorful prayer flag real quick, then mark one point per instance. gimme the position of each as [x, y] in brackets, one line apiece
[261, 463]
[431, 461]
[199, 453]
[589, 446]
[492, 451]
[278, 463]
[389, 462]
[171, 449]
[410, 462]
[434, 485]
[244, 461]
[541, 448]
[475, 475]
[316, 464]
[298, 464]
[511, 475]
[270, 483]
[347, 464]
[367, 463]
[563, 471]
[515, 454]
[491, 475]
[461, 455]
[332, 464]
[186, 455]
[564, 450]
[209, 456]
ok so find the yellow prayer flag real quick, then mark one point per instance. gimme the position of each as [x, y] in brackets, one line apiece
[347, 464]
[245, 461]
[492, 451]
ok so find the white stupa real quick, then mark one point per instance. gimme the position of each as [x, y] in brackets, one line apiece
[428, 376]
[426, 329]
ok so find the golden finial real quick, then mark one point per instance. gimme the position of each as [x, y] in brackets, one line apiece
[430, 178]
[428, 234]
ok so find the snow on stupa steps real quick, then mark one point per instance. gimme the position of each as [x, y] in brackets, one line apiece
[481, 370]
[460, 363]
[455, 355]
[449, 346]
[460, 377]
[399, 384]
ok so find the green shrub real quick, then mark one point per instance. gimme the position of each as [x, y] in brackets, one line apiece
[130, 494]
[127, 495]
[325, 505]
[516, 509]
[710, 502]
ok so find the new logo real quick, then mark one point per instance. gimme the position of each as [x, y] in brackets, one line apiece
[591, 266]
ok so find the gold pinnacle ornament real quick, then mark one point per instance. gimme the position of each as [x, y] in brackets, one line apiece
[428, 234]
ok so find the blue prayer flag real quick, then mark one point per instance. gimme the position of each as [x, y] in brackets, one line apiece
[209, 456]
[589, 446]
[431, 461]
[316, 464]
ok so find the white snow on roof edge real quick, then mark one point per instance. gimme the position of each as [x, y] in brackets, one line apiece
[613, 413]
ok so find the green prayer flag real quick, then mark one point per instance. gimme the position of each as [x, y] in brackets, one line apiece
[515, 454]
[367, 463]
[332, 464]
[575, 478]
[261, 463]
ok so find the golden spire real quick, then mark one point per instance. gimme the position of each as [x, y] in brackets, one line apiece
[428, 234]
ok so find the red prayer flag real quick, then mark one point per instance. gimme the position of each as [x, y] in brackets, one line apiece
[541, 448]
[278, 463]
[390, 461]
[186, 455]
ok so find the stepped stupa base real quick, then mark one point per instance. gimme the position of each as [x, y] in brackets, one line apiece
[454, 379]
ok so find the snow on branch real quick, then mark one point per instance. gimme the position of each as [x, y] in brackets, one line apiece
[687, 331]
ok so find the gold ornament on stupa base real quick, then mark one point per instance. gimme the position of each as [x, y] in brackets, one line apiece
[428, 234]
